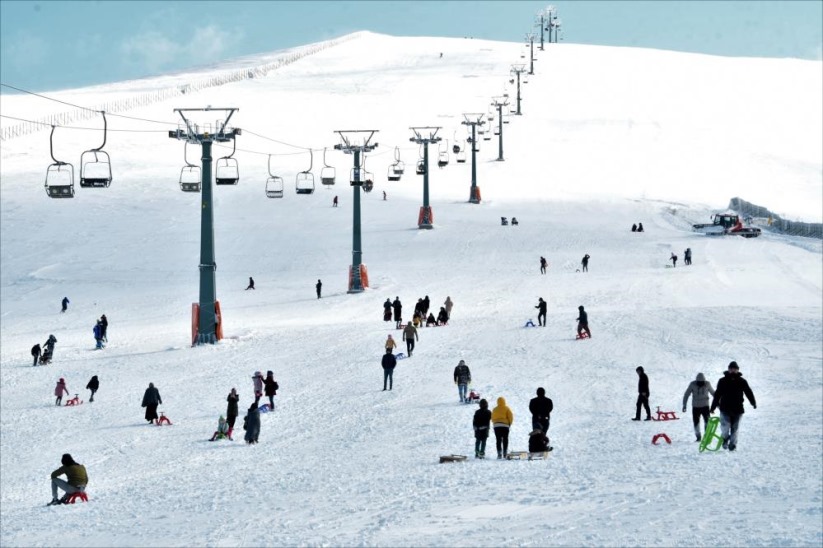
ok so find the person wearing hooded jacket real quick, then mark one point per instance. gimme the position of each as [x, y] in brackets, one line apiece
[251, 424]
[93, 385]
[729, 397]
[410, 334]
[151, 399]
[389, 362]
[59, 390]
[75, 482]
[270, 387]
[257, 379]
[387, 309]
[583, 322]
[699, 389]
[231, 409]
[642, 395]
[222, 430]
[502, 419]
[482, 418]
[462, 378]
[541, 409]
[397, 306]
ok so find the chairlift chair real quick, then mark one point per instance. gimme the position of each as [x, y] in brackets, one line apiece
[274, 184]
[304, 181]
[95, 164]
[368, 180]
[59, 175]
[398, 167]
[393, 175]
[443, 159]
[461, 156]
[227, 170]
[328, 173]
[190, 176]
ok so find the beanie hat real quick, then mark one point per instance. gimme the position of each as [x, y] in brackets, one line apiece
[580, 307]
[639, 369]
[733, 365]
[461, 363]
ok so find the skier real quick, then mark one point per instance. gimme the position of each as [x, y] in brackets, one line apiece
[699, 389]
[729, 397]
[543, 265]
[98, 338]
[442, 316]
[76, 476]
[687, 256]
[502, 419]
[35, 352]
[231, 410]
[398, 312]
[583, 322]
[389, 362]
[334, 202]
[634, 228]
[222, 430]
[104, 328]
[541, 313]
[642, 395]
[271, 387]
[59, 390]
[390, 344]
[318, 286]
[585, 262]
[65, 304]
[151, 399]
[93, 385]
[410, 334]
[673, 259]
[541, 409]
[448, 304]
[462, 378]
[387, 310]
[251, 284]
[257, 378]
[251, 424]
[538, 441]
[482, 418]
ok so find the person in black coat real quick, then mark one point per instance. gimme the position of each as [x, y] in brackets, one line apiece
[642, 395]
[251, 284]
[543, 265]
[104, 328]
[538, 441]
[151, 399]
[318, 286]
[583, 322]
[585, 262]
[270, 387]
[481, 423]
[387, 311]
[35, 352]
[389, 362]
[541, 409]
[93, 385]
[251, 424]
[426, 305]
[398, 311]
[541, 312]
[729, 397]
[231, 409]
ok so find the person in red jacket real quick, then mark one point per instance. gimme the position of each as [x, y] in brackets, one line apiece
[59, 390]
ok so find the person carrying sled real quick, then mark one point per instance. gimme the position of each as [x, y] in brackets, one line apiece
[35, 352]
[388, 363]
[65, 304]
[482, 418]
[397, 306]
[93, 385]
[431, 321]
[583, 322]
[76, 479]
[410, 334]
[585, 262]
[151, 399]
[543, 265]
[642, 395]
[222, 431]
[538, 441]
[59, 390]
[387, 310]
[541, 312]
[442, 316]
[257, 379]
[502, 419]
[729, 397]
[251, 424]
[541, 409]
[270, 388]
[251, 284]
[231, 409]
[699, 389]
[462, 378]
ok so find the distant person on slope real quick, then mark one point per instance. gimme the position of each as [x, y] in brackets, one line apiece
[462, 378]
[431, 321]
[318, 286]
[640, 227]
[582, 322]
[48, 353]
[541, 312]
[231, 410]
[251, 424]
[699, 389]
[257, 379]
[93, 385]
[65, 304]
[251, 284]
[448, 304]
[222, 431]
[59, 390]
[388, 363]
[334, 202]
[387, 310]
[585, 262]
[482, 418]
[76, 476]
[97, 330]
[673, 259]
[151, 399]
[104, 328]
[410, 334]
[687, 256]
[729, 397]
[541, 409]
[634, 228]
[543, 265]
[502, 419]
[398, 312]
[642, 395]
[270, 387]
[442, 316]
[35, 352]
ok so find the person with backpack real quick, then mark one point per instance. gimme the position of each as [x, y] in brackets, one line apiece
[541, 409]
[482, 418]
[257, 379]
[462, 378]
[699, 389]
[541, 312]
[583, 322]
[502, 419]
[251, 424]
[410, 334]
[59, 390]
[151, 399]
[642, 395]
[389, 362]
[729, 397]
[76, 479]
[93, 385]
[397, 306]
[271, 387]
[35, 352]
[231, 410]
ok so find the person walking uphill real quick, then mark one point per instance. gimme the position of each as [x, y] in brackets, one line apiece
[462, 378]
[397, 306]
[541, 312]
[231, 410]
[729, 397]
[270, 387]
[35, 352]
[104, 328]
[389, 362]
[318, 286]
[98, 335]
[65, 304]
[699, 389]
[583, 322]
[75, 482]
[448, 304]
[482, 418]
[642, 395]
[502, 419]
[390, 344]
[410, 334]
[93, 385]
[251, 284]
[59, 390]
[541, 409]
[151, 399]
[251, 424]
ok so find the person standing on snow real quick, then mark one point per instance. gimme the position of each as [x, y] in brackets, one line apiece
[729, 397]
[687, 256]
[585, 262]
[673, 259]
[251, 284]
[642, 395]
[257, 378]
[271, 387]
[426, 305]
[541, 409]
[65, 304]
[231, 410]
[543, 265]
[98, 337]
[390, 344]
[462, 378]
[93, 385]
[251, 424]
[49, 344]
[541, 312]
[59, 390]
[502, 419]
[76, 476]
[699, 389]
[583, 322]
[398, 311]
[410, 334]
[318, 286]
[389, 362]
[35, 352]
[482, 418]
[151, 399]
[334, 202]
[448, 305]
[387, 310]
[104, 328]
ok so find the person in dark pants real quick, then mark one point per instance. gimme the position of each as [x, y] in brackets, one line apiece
[76, 479]
[397, 306]
[585, 262]
[231, 409]
[482, 418]
[583, 322]
[502, 419]
[462, 378]
[318, 286]
[270, 387]
[642, 395]
[410, 334]
[65, 303]
[93, 385]
[389, 363]
[334, 202]
[699, 389]
[541, 313]
[104, 328]
[640, 227]
[541, 409]
[543, 265]
[687, 256]
[251, 424]
[673, 259]
[387, 310]
[729, 397]
[49, 351]
[251, 284]
[35, 352]
[634, 228]
[151, 399]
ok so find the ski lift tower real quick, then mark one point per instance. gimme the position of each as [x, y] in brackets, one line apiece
[423, 136]
[474, 120]
[530, 38]
[205, 324]
[499, 103]
[546, 15]
[357, 142]
[517, 70]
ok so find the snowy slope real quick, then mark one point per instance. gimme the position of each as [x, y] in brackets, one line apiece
[609, 136]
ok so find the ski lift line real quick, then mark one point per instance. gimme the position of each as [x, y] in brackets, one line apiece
[83, 128]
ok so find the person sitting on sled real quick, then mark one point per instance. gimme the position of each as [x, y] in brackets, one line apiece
[222, 431]
[538, 441]
[431, 321]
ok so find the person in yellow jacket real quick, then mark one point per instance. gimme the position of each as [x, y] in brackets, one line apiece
[76, 476]
[502, 419]
[390, 344]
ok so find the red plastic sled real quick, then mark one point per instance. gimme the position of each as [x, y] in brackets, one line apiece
[71, 499]
[661, 436]
[163, 420]
[582, 335]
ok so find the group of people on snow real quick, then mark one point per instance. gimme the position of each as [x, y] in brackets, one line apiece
[501, 419]
[637, 227]
[421, 315]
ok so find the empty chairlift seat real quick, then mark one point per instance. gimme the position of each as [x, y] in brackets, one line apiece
[190, 178]
[227, 171]
[274, 187]
[60, 180]
[95, 169]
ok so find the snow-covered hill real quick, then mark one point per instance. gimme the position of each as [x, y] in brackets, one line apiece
[608, 137]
